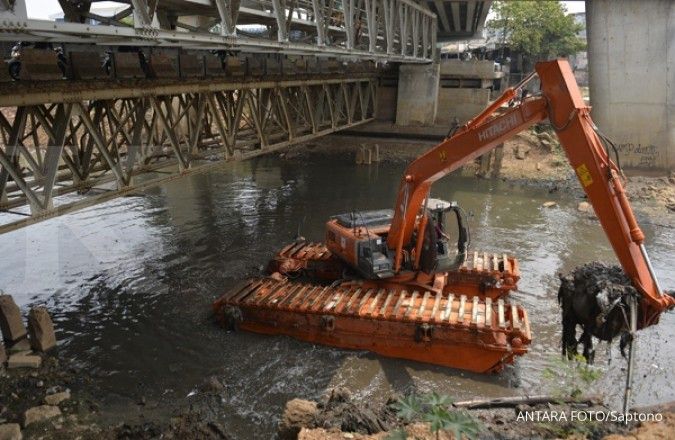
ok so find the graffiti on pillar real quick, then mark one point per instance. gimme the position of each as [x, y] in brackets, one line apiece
[639, 155]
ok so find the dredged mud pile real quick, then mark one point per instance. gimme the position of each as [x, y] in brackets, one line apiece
[339, 411]
[596, 278]
[596, 298]
[335, 412]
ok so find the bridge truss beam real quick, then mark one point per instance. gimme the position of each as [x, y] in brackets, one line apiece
[385, 30]
[121, 144]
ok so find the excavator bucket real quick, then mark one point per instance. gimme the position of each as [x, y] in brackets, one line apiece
[453, 330]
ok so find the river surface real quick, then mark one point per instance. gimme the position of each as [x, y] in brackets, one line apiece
[130, 283]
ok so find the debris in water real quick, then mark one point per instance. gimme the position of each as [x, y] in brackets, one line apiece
[595, 297]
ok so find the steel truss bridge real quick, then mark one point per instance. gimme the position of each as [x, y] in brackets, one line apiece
[387, 30]
[105, 102]
[85, 142]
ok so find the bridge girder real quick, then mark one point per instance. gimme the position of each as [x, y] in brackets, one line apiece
[459, 19]
[385, 30]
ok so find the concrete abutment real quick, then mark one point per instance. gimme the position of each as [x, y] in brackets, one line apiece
[631, 53]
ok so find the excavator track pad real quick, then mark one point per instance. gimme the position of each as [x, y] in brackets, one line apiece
[483, 273]
[454, 330]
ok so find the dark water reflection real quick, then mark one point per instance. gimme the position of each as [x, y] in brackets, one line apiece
[130, 284]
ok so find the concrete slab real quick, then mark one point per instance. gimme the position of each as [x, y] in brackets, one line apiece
[56, 398]
[417, 99]
[41, 329]
[11, 323]
[10, 431]
[484, 69]
[24, 359]
[40, 414]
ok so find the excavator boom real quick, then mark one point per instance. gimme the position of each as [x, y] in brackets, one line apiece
[560, 101]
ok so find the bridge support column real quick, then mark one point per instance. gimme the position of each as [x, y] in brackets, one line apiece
[417, 94]
[631, 52]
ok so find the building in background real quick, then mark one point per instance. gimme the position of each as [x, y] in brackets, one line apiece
[579, 61]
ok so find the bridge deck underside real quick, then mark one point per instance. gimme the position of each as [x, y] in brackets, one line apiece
[459, 19]
[387, 30]
[92, 142]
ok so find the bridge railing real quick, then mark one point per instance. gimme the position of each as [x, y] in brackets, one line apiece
[391, 30]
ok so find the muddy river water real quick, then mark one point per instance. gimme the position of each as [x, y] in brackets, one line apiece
[130, 283]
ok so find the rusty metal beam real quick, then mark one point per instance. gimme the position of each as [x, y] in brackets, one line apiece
[19, 94]
[91, 138]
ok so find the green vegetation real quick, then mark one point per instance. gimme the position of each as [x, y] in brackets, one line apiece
[572, 378]
[434, 409]
[540, 30]
[577, 379]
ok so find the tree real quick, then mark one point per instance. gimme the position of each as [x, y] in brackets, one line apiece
[539, 30]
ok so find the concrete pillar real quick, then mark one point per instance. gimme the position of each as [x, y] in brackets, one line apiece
[386, 97]
[631, 56]
[417, 94]
[11, 323]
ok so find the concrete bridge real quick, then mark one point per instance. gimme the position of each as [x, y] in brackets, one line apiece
[459, 19]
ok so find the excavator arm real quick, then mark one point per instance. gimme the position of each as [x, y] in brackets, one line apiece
[561, 103]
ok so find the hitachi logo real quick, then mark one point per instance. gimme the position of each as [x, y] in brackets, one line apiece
[499, 128]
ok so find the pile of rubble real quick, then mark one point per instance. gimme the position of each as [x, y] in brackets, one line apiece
[336, 411]
[24, 348]
[658, 191]
[545, 141]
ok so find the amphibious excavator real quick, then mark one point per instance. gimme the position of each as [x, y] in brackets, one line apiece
[396, 283]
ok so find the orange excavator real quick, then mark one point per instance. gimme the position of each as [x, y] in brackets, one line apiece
[393, 281]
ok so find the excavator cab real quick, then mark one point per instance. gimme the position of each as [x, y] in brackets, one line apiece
[439, 252]
[359, 239]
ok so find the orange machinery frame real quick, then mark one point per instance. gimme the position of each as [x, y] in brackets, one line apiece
[560, 101]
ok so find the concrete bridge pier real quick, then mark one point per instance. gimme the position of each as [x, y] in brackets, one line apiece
[417, 101]
[440, 93]
[631, 54]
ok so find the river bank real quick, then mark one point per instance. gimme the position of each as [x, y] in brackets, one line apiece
[57, 401]
[337, 415]
[531, 159]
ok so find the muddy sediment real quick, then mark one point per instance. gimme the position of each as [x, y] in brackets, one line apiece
[337, 415]
[56, 396]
